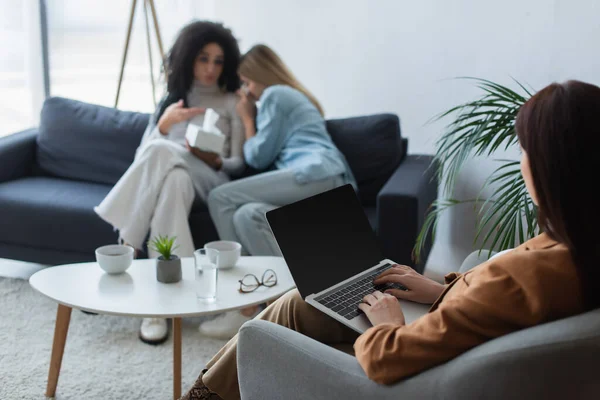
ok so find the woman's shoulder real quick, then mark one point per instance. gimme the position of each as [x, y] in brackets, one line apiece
[539, 265]
[555, 257]
[538, 252]
[283, 95]
[543, 279]
[541, 252]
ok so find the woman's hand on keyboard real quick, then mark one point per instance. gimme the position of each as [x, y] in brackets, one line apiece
[382, 308]
[419, 288]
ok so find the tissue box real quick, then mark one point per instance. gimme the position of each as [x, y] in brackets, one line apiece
[206, 141]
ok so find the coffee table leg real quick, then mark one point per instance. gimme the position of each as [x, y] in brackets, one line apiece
[176, 358]
[63, 317]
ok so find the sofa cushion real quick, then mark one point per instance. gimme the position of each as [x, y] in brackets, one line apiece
[86, 141]
[54, 213]
[373, 148]
[57, 214]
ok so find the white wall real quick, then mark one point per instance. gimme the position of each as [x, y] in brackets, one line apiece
[362, 57]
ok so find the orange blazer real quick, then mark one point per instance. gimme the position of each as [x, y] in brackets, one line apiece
[535, 283]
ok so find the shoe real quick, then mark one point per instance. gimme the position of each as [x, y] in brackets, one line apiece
[200, 392]
[225, 326]
[154, 330]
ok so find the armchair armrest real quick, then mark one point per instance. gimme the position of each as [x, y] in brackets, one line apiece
[17, 152]
[402, 206]
[275, 362]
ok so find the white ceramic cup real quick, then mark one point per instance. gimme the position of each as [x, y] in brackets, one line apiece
[229, 252]
[114, 258]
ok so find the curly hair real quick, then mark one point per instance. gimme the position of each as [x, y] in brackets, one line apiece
[179, 61]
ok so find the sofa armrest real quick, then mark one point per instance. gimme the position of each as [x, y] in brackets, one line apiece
[17, 152]
[402, 206]
[277, 363]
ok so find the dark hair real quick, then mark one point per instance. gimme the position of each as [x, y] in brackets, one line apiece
[559, 129]
[179, 62]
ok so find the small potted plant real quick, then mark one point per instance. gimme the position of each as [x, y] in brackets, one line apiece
[168, 265]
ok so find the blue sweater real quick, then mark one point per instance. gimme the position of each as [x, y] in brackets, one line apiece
[291, 134]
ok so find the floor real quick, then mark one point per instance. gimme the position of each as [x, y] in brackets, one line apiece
[18, 269]
[103, 359]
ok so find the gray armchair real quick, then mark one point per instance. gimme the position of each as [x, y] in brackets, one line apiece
[557, 360]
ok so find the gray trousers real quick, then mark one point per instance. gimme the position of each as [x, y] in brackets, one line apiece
[238, 208]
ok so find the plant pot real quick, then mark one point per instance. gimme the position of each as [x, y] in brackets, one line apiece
[168, 271]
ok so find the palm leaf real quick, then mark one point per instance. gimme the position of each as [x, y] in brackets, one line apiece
[503, 215]
[510, 217]
[480, 128]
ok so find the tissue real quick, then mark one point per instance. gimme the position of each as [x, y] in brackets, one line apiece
[206, 137]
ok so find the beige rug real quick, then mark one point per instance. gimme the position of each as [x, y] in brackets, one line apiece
[103, 357]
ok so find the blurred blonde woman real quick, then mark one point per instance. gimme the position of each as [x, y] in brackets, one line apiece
[286, 137]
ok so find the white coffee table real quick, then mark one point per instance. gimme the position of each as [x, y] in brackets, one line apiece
[137, 293]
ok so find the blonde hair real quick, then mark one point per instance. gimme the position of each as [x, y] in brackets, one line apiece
[262, 65]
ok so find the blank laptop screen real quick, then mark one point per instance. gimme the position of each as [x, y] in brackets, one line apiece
[325, 239]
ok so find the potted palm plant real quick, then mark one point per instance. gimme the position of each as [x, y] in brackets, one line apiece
[168, 265]
[479, 128]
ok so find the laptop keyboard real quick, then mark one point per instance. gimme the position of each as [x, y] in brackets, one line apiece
[345, 299]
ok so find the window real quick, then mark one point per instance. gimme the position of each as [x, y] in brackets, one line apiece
[86, 42]
[16, 86]
[87, 39]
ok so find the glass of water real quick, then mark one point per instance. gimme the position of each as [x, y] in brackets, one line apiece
[205, 271]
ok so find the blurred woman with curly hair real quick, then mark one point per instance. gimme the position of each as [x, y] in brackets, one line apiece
[157, 191]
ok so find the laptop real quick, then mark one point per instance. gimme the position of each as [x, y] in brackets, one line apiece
[333, 255]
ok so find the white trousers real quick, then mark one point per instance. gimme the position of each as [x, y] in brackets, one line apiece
[156, 195]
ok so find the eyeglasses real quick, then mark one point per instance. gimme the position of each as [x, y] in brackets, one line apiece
[249, 283]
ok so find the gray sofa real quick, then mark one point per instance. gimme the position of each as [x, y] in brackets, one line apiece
[53, 175]
[557, 360]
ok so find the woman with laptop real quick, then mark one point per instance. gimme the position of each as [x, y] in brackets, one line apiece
[513, 290]
[286, 137]
[157, 191]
